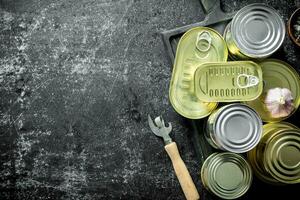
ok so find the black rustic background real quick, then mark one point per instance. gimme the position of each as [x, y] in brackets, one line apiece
[77, 80]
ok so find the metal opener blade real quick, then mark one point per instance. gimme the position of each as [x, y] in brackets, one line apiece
[159, 128]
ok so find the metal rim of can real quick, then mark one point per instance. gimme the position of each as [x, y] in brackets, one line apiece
[256, 156]
[250, 122]
[232, 184]
[272, 23]
[281, 160]
[270, 132]
[269, 127]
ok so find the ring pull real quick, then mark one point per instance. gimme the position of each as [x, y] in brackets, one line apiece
[203, 42]
[250, 80]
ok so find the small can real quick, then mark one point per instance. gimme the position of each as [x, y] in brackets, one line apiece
[235, 128]
[276, 159]
[255, 32]
[227, 175]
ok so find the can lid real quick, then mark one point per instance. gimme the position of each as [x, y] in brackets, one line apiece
[258, 30]
[283, 156]
[238, 128]
[276, 73]
[227, 175]
[228, 81]
[196, 46]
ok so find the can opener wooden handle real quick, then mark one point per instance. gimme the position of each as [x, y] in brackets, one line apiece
[188, 187]
[182, 173]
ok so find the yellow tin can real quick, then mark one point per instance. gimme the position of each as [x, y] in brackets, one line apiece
[228, 81]
[276, 74]
[227, 175]
[276, 158]
[196, 46]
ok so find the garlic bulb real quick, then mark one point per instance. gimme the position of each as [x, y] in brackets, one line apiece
[279, 102]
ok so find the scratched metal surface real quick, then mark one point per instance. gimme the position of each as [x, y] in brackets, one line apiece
[77, 80]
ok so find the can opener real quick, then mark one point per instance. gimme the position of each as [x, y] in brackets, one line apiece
[182, 173]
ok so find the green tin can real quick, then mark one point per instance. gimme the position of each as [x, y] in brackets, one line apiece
[227, 175]
[276, 159]
[235, 127]
[255, 32]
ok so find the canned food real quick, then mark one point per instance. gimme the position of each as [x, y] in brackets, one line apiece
[256, 31]
[235, 127]
[196, 46]
[228, 81]
[227, 175]
[276, 159]
[276, 74]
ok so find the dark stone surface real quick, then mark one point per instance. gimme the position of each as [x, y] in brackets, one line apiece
[77, 80]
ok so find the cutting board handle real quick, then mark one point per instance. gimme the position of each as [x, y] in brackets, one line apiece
[208, 5]
[182, 173]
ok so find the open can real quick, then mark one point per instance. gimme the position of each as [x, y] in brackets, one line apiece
[235, 127]
[276, 159]
[255, 32]
[227, 175]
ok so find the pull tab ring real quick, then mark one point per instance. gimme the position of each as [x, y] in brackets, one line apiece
[250, 80]
[203, 42]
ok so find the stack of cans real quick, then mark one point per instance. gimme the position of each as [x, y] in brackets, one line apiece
[202, 78]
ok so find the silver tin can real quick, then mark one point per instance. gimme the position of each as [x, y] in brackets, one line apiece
[255, 32]
[235, 127]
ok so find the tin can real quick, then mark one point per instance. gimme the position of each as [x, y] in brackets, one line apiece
[276, 159]
[255, 32]
[228, 81]
[235, 127]
[276, 73]
[196, 46]
[227, 175]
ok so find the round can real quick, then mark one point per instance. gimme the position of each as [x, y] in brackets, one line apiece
[276, 73]
[235, 127]
[227, 175]
[255, 32]
[276, 159]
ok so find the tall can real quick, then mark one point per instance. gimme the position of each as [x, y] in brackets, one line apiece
[227, 175]
[235, 128]
[255, 32]
[276, 159]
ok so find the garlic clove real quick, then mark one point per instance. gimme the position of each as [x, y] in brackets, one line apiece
[279, 102]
